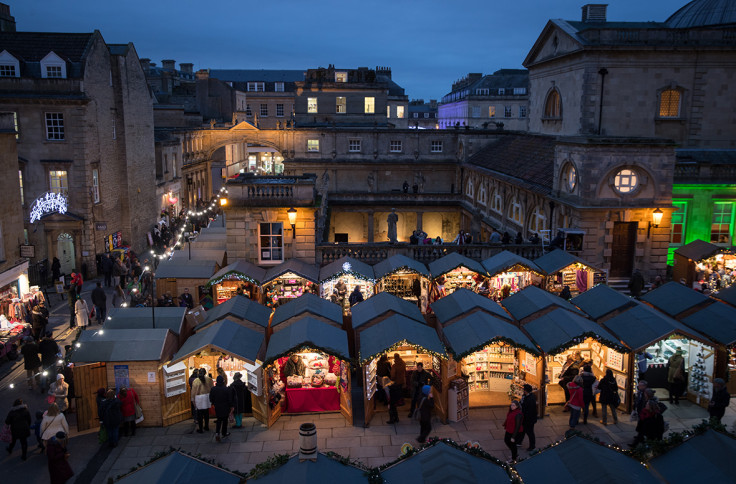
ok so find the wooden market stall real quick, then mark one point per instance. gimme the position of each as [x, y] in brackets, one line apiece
[374, 310]
[464, 302]
[453, 272]
[307, 305]
[338, 279]
[564, 269]
[240, 277]
[415, 342]
[531, 300]
[174, 275]
[727, 295]
[405, 278]
[307, 370]
[509, 273]
[701, 262]
[233, 347]
[241, 310]
[288, 281]
[179, 467]
[602, 302]
[173, 319]
[132, 358]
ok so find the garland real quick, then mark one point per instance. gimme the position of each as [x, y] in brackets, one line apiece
[650, 449]
[498, 339]
[308, 347]
[403, 268]
[579, 339]
[363, 360]
[349, 272]
[230, 276]
[513, 268]
[484, 274]
[269, 465]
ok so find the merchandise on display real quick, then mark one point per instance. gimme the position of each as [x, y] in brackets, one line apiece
[496, 373]
[229, 289]
[309, 384]
[515, 281]
[285, 288]
[578, 277]
[330, 290]
[409, 286]
[459, 278]
[715, 273]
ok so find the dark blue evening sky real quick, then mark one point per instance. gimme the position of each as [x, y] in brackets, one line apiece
[428, 44]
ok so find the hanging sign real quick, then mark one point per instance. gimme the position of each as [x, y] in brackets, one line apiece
[48, 203]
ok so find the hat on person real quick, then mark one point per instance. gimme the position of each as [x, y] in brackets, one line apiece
[237, 376]
[59, 377]
[60, 435]
[528, 388]
[426, 389]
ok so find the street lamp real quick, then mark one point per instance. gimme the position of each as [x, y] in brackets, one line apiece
[153, 296]
[657, 217]
[292, 220]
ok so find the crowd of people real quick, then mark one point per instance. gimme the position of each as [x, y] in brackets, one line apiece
[229, 402]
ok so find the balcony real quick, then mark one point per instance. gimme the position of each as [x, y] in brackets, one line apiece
[271, 191]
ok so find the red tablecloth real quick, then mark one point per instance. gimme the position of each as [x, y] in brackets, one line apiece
[301, 400]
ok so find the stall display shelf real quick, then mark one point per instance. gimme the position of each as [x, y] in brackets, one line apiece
[370, 379]
[458, 401]
[175, 379]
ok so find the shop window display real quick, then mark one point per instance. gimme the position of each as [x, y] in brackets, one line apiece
[285, 288]
[406, 285]
[503, 285]
[229, 289]
[15, 315]
[578, 277]
[306, 382]
[497, 373]
[699, 366]
[715, 273]
[338, 290]
[460, 278]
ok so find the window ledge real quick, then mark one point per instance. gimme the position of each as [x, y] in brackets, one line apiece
[551, 120]
[659, 120]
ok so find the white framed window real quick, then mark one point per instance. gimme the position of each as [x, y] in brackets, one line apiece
[483, 196]
[538, 221]
[114, 128]
[482, 92]
[312, 145]
[388, 112]
[279, 110]
[7, 70]
[426, 115]
[58, 181]
[721, 226]
[341, 105]
[341, 76]
[436, 146]
[470, 188]
[415, 115]
[370, 105]
[174, 169]
[270, 242]
[248, 112]
[476, 111]
[53, 72]
[278, 87]
[515, 211]
[522, 111]
[678, 222]
[519, 91]
[96, 185]
[501, 91]
[55, 126]
[400, 112]
[53, 67]
[311, 104]
[256, 86]
[507, 111]
[9, 65]
[15, 122]
[395, 146]
[497, 202]
[264, 110]
[570, 177]
[354, 145]
[22, 192]
[491, 111]
[626, 181]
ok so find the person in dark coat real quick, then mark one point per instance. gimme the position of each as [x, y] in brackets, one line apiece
[609, 397]
[56, 269]
[71, 296]
[59, 469]
[565, 293]
[243, 401]
[356, 296]
[112, 417]
[426, 404]
[107, 265]
[529, 412]
[569, 371]
[419, 378]
[518, 240]
[19, 420]
[222, 398]
[636, 284]
[588, 397]
[383, 368]
[31, 361]
[720, 401]
[100, 400]
[186, 299]
[99, 299]
[394, 394]
[651, 424]
[49, 350]
[39, 322]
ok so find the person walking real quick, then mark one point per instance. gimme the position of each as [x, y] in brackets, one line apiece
[242, 398]
[676, 376]
[112, 417]
[609, 397]
[393, 396]
[49, 350]
[529, 411]
[720, 401]
[222, 398]
[19, 420]
[55, 269]
[568, 372]
[53, 422]
[31, 361]
[59, 469]
[513, 426]
[650, 425]
[39, 322]
[77, 282]
[201, 387]
[419, 379]
[60, 391]
[576, 402]
[589, 380]
[71, 295]
[398, 374]
[81, 312]
[107, 266]
[426, 404]
[383, 368]
[128, 401]
[99, 301]
[117, 272]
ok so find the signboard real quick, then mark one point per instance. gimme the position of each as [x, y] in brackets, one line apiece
[151, 377]
[100, 226]
[59, 287]
[254, 375]
[122, 376]
[28, 251]
[49, 203]
[114, 241]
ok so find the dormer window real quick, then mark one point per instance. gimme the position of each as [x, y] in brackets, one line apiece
[9, 65]
[341, 77]
[53, 67]
[53, 71]
[7, 70]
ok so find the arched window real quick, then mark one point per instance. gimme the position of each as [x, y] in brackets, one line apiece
[669, 103]
[483, 196]
[553, 105]
[469, 189]
[569, 177]
[515, 211]
[538, 221]
[625, 181]
[497, 202]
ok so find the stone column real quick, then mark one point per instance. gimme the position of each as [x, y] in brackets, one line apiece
[370, 227]
[419, 220]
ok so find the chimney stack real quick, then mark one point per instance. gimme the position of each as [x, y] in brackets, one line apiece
[169, 64]
[7, 21]
[146, 64]
[594, 12]
[307, 442]
[187, 67]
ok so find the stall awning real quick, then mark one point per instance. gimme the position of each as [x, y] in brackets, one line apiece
[307, 303]
[532, 299]
[559, 329]
[601, 300]
[698, 250]
[397, 263]
[394, 330]
[452, 261]
[142, 318]
[475, 331]
[239, 307]
[463, 301]
[641, 326]
[217, 255]
[382, 303]
[307, 332]
[324, 469]
[708, 456]
[121, 345]
[578, 460]
[674, 298]
[241, 270]
[346, 265]
[505, 261]
[178, 467]
[295, 266]
[717, 321]
[557, 260]
[226, 336]
[185, 269]
[728, 295]
[444, 463]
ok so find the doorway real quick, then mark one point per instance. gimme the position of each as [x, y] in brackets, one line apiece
[65, 252]
[623, 248]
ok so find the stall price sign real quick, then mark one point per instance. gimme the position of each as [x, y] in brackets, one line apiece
[122, 376]
[28, 251]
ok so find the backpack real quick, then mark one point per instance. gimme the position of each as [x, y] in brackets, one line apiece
[417, 412]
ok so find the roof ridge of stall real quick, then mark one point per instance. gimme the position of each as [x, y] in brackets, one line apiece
[506, 260]
[307, 333]
[241, 269]
[381, 303]
[398, 262]
[452, 261]
[466, 335]
[295, 266]
[227, 336]
[307, 303]
[346, 265]
[394, 331]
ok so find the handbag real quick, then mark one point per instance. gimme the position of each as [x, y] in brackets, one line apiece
[50, 399]
[212, 411]
[138, 411]
[92, 313]
[202, 402]
[5, 435]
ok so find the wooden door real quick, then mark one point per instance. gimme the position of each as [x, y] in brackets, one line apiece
[87, 379]
[623, 248]
[346, 400]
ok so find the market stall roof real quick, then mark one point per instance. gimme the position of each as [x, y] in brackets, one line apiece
[346, 265]
[226, 336]
[239, 307]
[532, 299]
[207, 243]
[382, 303]
[558, 329]
[307, 303]
[239, 269]
[178, 467]
[444, 463]
[641, 326]
[698, 250]
[579, 460]
[121, 345]
[302, 269]
[185, 269]
[717, 321]
[475, 331]
[452, 261]
[558, 259]
[674, 298]
[601, 300]
[394, 330]
[709, 455]
[307, 332]
[141, 318]
[727, 295]
[398, 262]
[217, 255]
[308, 472]
[505, 261]
[463, 301]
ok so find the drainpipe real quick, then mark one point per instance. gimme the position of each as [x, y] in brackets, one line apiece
[603, 73]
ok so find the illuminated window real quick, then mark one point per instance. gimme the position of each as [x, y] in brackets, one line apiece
[395, 146]
[497, 202]
[311, 104]
[58, 182]
[341, 105]
[722, 222]
[55, 126]
[264, 110]
[553, 105]
[312, 145]
[279, 110]
[538, 221]
[354, 146]
[515, 213]
[626, 181]
[491, 111]
[679, 218]
[271, 242]
[96, 185]
[669, 104]
[400, 112]
[507, 111]
[388, 111]
[341, 77]
[569, 177]
[370, 106]
[278, 87]
[22, 192]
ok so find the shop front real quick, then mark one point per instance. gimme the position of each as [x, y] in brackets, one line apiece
[240, 277]
[338, 279]
[563, 269]
[16, 302]
[307, 305]
[405, 278]
[509, 273]
[176, 276]
[455, 271]
[288, 281]
[702, 265]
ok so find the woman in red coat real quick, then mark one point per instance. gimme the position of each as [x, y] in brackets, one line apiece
[59, 469]
[514, 428]
[576, 402]
[128, 399]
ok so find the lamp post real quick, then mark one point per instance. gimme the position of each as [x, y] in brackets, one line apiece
[153, 296]
[292, 220]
